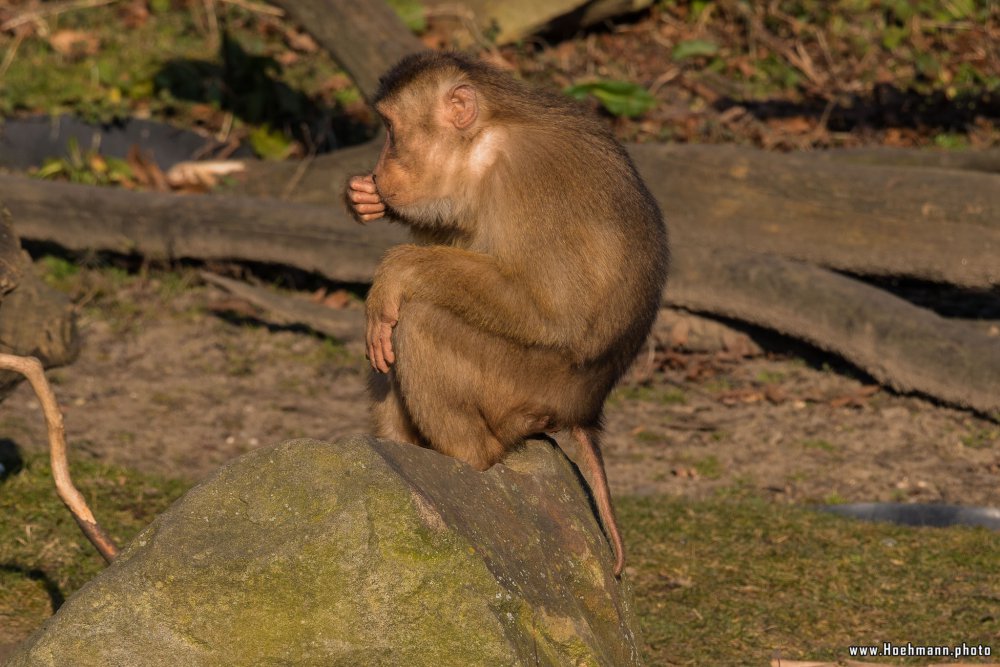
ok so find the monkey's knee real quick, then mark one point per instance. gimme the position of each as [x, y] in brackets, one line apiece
[390, 419]
[484, 454]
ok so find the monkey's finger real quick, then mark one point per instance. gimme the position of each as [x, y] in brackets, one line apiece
[362, 183]
[362, 197]
[370, 345]
[371, 216]
[387, 354]
[383, 347]
[376, 350]
[377, 207]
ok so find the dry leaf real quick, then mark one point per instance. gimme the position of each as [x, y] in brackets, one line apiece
[145, 170]
[286, 58]
[337, 299]
[135, 14]
[203, 174]
[301, 41]
[74, 43]
[793, 125]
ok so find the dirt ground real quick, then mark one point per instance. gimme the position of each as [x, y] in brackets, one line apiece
[168, 382]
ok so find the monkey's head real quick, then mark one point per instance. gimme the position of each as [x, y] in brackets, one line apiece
[439, 139]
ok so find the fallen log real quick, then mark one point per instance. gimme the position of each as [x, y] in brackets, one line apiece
[906, 347]
[734, 214]
[345, 325]
[901, 345]
[165, 226]
[971, 160]
[931, 224]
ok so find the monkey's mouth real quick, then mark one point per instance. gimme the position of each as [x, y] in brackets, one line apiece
[391, 207]
[386, 197]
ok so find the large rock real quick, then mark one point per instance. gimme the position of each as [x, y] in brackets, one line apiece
[363, 552]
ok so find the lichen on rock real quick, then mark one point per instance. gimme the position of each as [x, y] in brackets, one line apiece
[359, 552]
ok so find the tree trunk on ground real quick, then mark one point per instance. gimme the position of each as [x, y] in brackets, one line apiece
[313, 238]
[35, 320]
[361, 37]
[740, 219]
[984, 160]
[901, 345]
[931, 224]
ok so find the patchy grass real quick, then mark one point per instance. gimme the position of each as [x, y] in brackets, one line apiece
[739, 580]
[793, 74]
[43, 555]
[728, 581]
[983, 438]
[253, 77]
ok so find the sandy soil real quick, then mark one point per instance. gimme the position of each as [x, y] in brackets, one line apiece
[165, 384]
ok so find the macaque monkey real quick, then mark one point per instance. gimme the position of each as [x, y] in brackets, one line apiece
[536, 273]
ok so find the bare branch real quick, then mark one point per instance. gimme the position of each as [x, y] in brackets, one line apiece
[31, 369]
[52, 10]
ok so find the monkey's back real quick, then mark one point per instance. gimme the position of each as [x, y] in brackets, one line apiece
[582, 226]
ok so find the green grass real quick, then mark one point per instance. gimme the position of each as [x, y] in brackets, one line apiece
[850, 35]
[730, 581]
[172, 66]
[39, 539]
[983, 438]
[820, 444]
[735, 581]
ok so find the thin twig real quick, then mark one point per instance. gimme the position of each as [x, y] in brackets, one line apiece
[303, 167]
[256, 7]
[31, 369]
[51, 10]
[212, 20]
[8, 57]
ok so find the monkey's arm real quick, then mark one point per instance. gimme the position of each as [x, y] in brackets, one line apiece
[470, 285]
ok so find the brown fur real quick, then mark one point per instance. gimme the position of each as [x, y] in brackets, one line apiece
[540, 262]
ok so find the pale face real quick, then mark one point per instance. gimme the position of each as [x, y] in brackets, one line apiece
[428, 167]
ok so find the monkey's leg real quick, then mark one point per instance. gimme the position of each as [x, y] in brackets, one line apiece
[589, 449]
[389, 415]
[447, 378]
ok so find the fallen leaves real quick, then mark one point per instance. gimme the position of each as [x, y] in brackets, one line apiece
[339, 298]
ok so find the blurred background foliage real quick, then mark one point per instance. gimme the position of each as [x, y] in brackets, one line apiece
[779, 74]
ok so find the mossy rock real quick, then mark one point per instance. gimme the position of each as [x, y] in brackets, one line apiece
[360, 552]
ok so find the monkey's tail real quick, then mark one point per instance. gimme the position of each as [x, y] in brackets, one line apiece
[591, 453]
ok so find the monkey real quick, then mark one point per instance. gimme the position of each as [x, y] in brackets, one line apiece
[536, 270]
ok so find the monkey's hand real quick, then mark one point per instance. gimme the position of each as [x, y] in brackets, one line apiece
[382, 310]
[363, 199]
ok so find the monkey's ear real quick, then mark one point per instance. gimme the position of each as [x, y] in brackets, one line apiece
[463, 107]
